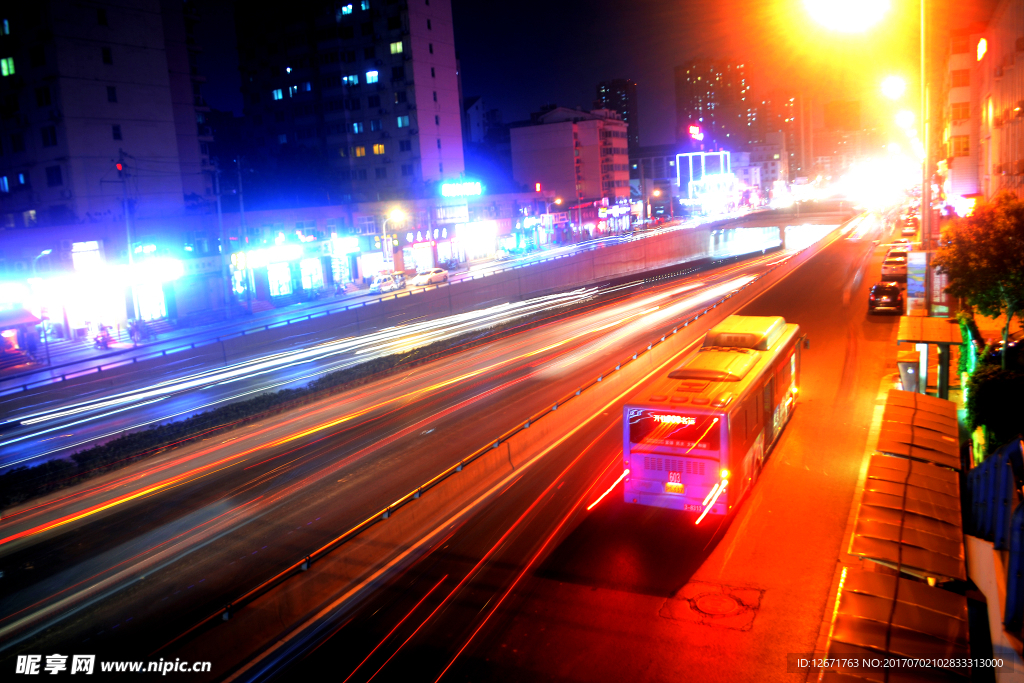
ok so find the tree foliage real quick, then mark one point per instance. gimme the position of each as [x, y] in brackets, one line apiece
[984, 258]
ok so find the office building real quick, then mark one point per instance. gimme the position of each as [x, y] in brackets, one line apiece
[620, 95]
[366, 91]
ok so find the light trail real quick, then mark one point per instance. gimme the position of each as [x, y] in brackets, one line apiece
[611, 488]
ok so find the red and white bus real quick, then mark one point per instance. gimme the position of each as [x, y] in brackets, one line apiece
[697, 439]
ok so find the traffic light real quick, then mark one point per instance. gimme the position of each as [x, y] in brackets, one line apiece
[120, 169]
[695, 133]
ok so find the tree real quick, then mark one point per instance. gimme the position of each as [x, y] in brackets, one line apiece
[984, 259]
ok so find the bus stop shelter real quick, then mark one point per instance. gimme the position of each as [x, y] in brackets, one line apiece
[923, 331]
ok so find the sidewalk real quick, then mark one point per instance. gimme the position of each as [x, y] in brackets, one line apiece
[984, 592]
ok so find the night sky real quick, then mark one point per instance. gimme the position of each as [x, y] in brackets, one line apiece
[519, 56]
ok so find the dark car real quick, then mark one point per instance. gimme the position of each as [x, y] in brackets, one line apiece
[885, 296]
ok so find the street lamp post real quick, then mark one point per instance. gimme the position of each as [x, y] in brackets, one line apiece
[46, 338]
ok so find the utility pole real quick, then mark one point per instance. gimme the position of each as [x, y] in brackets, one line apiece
[122, 172]
[225, 243]
[245, 234]
[643, 195]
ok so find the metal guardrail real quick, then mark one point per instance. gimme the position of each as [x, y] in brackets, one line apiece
[21, 388]
[384, 513]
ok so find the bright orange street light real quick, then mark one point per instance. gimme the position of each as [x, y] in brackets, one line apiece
[845, 16]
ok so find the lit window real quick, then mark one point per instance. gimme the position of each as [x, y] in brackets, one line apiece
[282, 138]
[307, 86]
[378, 148]
[5, 30]
[351, 80]
[4, 187]
[371, 76]
[375, 124]
[357, 127]
[277, 94]
[346, 9]
[292, 89]
[7, 66]
[396, 48]
[364, 5]
[360, 151]
[403, 121]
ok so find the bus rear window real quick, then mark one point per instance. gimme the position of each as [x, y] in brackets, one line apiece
[675, 430]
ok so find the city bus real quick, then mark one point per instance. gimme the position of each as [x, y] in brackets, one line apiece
[697, 438]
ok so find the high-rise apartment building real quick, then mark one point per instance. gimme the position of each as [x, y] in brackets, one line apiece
[84, 87]
[582, 156]
[620, 95]
[368, 89]
[714, 95]
[777, 111]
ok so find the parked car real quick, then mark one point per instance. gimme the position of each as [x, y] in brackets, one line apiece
[387, 282]
[901, 244]
[885, 296]
[894, 268]
[908, 231]
[430, 277]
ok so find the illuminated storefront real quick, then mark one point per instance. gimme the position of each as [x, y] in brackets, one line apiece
[478, 239]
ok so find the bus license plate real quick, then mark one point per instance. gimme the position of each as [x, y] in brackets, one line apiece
[689, 507]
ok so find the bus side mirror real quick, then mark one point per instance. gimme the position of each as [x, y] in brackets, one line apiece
[807, 343]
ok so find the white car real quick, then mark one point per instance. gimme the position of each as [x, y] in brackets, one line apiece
[383, 284]
[430, 277]
[894, 268]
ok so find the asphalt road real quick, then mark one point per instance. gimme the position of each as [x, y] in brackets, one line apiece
[129, 560]
[536, 588]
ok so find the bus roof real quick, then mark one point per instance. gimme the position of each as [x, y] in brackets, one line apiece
[747, 331]
[717, 376]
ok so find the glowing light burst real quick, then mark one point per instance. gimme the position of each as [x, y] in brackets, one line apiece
[847, 17]
[905, 119]
[893, 87]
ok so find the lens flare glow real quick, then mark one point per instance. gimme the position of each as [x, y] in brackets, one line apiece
[847, 17]
[893, 87]
[905, 119]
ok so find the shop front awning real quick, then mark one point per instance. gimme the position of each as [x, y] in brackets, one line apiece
[920, 427]
[16, 318]
[879, 616]
[909, 519]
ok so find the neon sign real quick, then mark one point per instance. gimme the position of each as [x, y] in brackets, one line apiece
[675, 419]
[467, 189]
